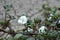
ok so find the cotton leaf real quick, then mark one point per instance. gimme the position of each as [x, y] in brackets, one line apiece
[17, 36]
[10, 38]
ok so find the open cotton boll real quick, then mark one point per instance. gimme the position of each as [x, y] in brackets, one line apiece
[22, 20]
[49, 18]
[51, 15]
[30, 30]
[59, 21]
[42, 29]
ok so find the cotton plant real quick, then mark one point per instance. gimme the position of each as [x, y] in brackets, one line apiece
[35, 25]
[28, 23]
[49, 12]
[6, 23]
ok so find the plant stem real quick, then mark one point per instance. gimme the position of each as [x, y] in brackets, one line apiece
[4, 9]
[47, 2]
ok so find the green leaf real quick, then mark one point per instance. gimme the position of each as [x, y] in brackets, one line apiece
[17, 36]
[40, 37]
[2, 39]
[29, 23]
[54, 9]
[53, 25]
[10, 38]
[52, 34]
[46, 7]
[1, 22]
[55, 17]
[7, 7]
[37, 20]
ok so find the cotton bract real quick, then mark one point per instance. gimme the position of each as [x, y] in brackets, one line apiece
[22, 20]
[42, 29]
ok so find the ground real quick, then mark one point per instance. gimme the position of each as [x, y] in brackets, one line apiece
[25, 7]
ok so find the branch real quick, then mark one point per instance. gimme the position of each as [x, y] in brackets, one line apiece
[1, 30]
[11, 33]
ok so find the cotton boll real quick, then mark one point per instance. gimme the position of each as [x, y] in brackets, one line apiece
[59, 21]
[42, 29]
[22, 20]
[30, 30]
[51, 14]
[49, 18]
